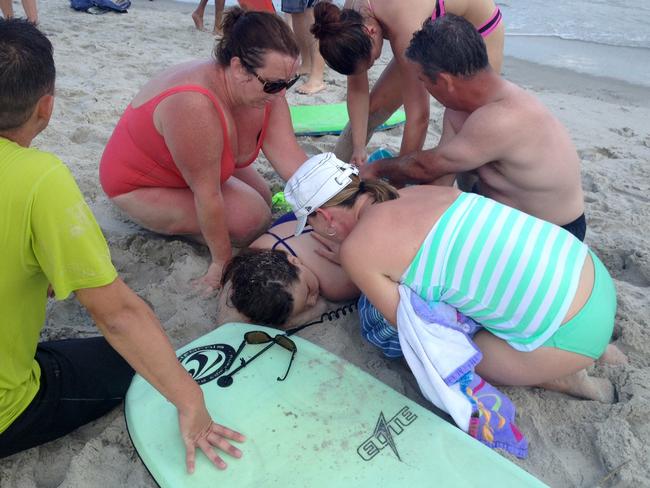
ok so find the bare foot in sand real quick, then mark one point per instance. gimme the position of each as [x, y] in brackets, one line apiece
[613, 355]
[311, 87]
[198, 20]
[582, 385]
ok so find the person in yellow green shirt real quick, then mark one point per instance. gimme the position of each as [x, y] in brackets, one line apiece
[48, 236]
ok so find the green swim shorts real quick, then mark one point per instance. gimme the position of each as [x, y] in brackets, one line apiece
[590, 330]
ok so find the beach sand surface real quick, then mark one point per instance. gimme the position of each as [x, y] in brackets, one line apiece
[102, 60]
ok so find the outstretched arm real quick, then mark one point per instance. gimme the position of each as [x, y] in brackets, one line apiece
[480, 141]
[133, 330]
[414, 96]
[358, 102]
[194, 135]
[281, 147]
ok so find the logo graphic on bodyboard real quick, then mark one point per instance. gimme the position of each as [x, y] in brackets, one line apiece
[206, 363]
[383, 434]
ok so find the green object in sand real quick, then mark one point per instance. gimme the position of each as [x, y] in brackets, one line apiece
[331, 118]
[279, 203]
[328, 424]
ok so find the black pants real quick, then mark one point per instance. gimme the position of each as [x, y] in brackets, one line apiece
[578, 227]
[81, 380]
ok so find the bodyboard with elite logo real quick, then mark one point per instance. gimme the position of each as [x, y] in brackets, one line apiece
[329, 424]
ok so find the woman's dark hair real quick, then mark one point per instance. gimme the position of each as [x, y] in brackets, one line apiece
[342, 37]
[250, 35]
[260, 282]
[26, 71]
[449, 44]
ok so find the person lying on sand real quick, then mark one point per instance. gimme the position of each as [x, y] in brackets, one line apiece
[281, 280]
[179, 160]
[545, 301]
[523, 155]
[48, 235]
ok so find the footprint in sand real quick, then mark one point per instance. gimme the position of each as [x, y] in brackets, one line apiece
[634, 268]
[590, 155]
[589, 183]
[646, 141]
[81, 135]
[607, 152]
[623, 131]
[632, 191]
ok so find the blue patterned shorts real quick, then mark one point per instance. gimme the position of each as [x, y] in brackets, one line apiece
[377, 330]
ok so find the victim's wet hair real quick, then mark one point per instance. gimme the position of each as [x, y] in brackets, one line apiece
[260, 285]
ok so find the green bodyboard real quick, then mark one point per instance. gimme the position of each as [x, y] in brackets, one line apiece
[329, 424]
[319, 120]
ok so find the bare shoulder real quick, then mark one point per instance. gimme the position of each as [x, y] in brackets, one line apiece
[520, 100]
[188, 73]
[190, 101]
[188, 111]
[511, 112]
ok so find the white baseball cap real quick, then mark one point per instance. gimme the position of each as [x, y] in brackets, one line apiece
[319, 179]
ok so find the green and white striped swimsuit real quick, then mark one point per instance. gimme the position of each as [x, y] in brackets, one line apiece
[513, 273]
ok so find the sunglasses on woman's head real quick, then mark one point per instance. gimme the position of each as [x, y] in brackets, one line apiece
[259, 337]
[275, 86]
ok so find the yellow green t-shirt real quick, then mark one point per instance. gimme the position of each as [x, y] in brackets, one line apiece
[47, 235]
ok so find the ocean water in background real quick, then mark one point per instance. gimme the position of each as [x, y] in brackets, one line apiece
[597, 37]
[611, 22]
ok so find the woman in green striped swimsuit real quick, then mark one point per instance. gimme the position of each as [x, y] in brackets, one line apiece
[546, 301]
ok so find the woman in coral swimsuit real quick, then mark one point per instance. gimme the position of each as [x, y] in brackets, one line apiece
[178, 161]
[351, 39]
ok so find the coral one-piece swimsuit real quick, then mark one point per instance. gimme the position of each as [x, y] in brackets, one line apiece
[136, 155]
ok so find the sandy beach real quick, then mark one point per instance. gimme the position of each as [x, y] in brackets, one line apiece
[102, 60]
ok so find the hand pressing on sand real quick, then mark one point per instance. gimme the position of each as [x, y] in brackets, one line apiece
[210, 283]
[199, 430]
[330, 249]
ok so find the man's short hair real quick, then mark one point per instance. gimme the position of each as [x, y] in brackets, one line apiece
[449, 44]
[26, 71]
